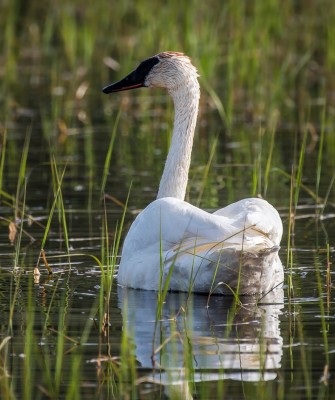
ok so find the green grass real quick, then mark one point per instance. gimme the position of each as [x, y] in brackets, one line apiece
[266, 74]
[6, 391]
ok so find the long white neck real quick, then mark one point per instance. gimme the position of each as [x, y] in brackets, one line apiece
[175, 175]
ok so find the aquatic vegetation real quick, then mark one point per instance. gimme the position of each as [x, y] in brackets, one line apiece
[75, 168]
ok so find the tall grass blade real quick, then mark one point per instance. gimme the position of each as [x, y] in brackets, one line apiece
[270, 155]
[206, 171]
[320, 152]
[3, 157]
[109, 152]
[299, 174]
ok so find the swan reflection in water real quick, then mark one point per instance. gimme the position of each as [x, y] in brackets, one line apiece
[226, 340]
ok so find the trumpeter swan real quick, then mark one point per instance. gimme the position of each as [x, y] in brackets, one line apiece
[174, 243]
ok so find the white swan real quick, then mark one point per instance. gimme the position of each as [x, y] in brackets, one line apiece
[174, 243]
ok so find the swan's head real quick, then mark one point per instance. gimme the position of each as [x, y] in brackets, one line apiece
[169, 70]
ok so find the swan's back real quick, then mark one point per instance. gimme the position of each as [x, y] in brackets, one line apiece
[174, 241]
[254, 211]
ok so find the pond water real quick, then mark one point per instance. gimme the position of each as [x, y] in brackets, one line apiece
[75, 334]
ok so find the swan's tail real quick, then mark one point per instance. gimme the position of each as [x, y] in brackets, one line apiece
[241, 264]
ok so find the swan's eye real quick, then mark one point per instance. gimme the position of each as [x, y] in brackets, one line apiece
[144, 68]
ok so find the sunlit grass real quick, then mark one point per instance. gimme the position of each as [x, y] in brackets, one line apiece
[266, 74]
[20, 200]
[5, 386]
[109, 154]
[56, 205]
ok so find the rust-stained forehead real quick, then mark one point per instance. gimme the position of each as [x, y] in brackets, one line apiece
[170, 54]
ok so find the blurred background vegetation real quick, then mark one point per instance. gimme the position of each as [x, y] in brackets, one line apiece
[265, 66]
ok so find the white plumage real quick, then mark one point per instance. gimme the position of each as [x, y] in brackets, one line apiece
[174, 243]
